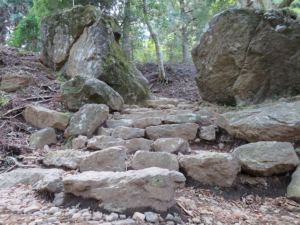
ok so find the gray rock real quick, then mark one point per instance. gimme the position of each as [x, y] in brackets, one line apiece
[42, 179]
[211, 168]
[147, 122]
[124, 222]
[105, 131]
[267, 158]
[64, 158]
[151, 217]
[272, 122]
[119, 123]
[149, 113]
[208, 133]
[128, 133]
[293, 190]
[187, 131]
[81, 90]
[139, 144]
[112, 217]
[233, 65]
[182, 118]
[32, 209]
[59, 199]
[97, 216]
[140, 217]
[87, 119]
[101, 142]
[110, 159]
[162, 101]
[15, 82]
[79, 142]
[142, 160]
[71, 46]
[43, 137]
[152, 187]
[53, 210]
[171, 145]
[42, 117]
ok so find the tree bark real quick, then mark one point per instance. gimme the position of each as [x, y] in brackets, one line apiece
[285, 3]
[185, 41]
[126, 30]
[162, 76]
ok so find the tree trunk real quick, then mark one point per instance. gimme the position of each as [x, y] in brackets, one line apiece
[3, 30]
[126, 30]
[162, 76]
[185, 41]
[285, 3]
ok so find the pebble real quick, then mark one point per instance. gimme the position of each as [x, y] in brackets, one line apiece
[53, 210]
[196, 220]
[112, 217]
[139, 216]
[151, 217]
[97, 216]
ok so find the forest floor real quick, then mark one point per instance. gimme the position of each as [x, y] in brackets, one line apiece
[248, 201]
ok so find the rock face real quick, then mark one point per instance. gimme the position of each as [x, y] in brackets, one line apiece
[171, 145]
[14, 82]
[43, 137]
[87, 119]
[293, 190]
[267, 158]
[186, 131]
[242, 55]
[83, 40]
[121, 191]
[111, 159]
[211, 168]
[65, 158]
[42, 117]
[273, 122]
[46, 179]
[142, 160]
[81, 90]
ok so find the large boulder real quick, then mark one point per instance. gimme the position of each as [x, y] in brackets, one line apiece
[42, 117]
[14, 82]
[81, 90]
[124, 191]
[248, 55]
[272, 122]
[84, 40]
[267, 158]
[211, 168]
[87, 119]
[42, 179]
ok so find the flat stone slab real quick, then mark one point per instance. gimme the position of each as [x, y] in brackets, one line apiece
[122, 191]
[64, 158]
[211, 168]
[293, 190]
[267, 158]
[144, 159]
[272, 122]
[187, 131]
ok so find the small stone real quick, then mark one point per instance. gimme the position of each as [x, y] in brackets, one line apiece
[196, 220]
[57, 214]
[112, 217]
[151, 217]
[169, 217]
[170, 223]
[122, 217]
[31, 209]
[292, 208]
[221, 146]
[264, 210]
[86, 216]
[79, 142]
[83, 211]
[139, 216]
[97, 216]
[124, 222]
[207, 220]
[76, 216]
[214, 202]
[59, 199]
[53, 210]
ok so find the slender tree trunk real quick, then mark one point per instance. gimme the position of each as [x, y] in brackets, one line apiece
[285, 3]
[126, 30]
[73, 3]
[185, 41]
[162, 76]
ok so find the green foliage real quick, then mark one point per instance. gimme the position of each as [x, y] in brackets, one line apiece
[4, 99]
[26, 33]
[21, 52]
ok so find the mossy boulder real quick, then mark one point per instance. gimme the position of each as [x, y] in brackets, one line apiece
[14, 82]
[84, 40]
[248, 56]
[82, 90]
